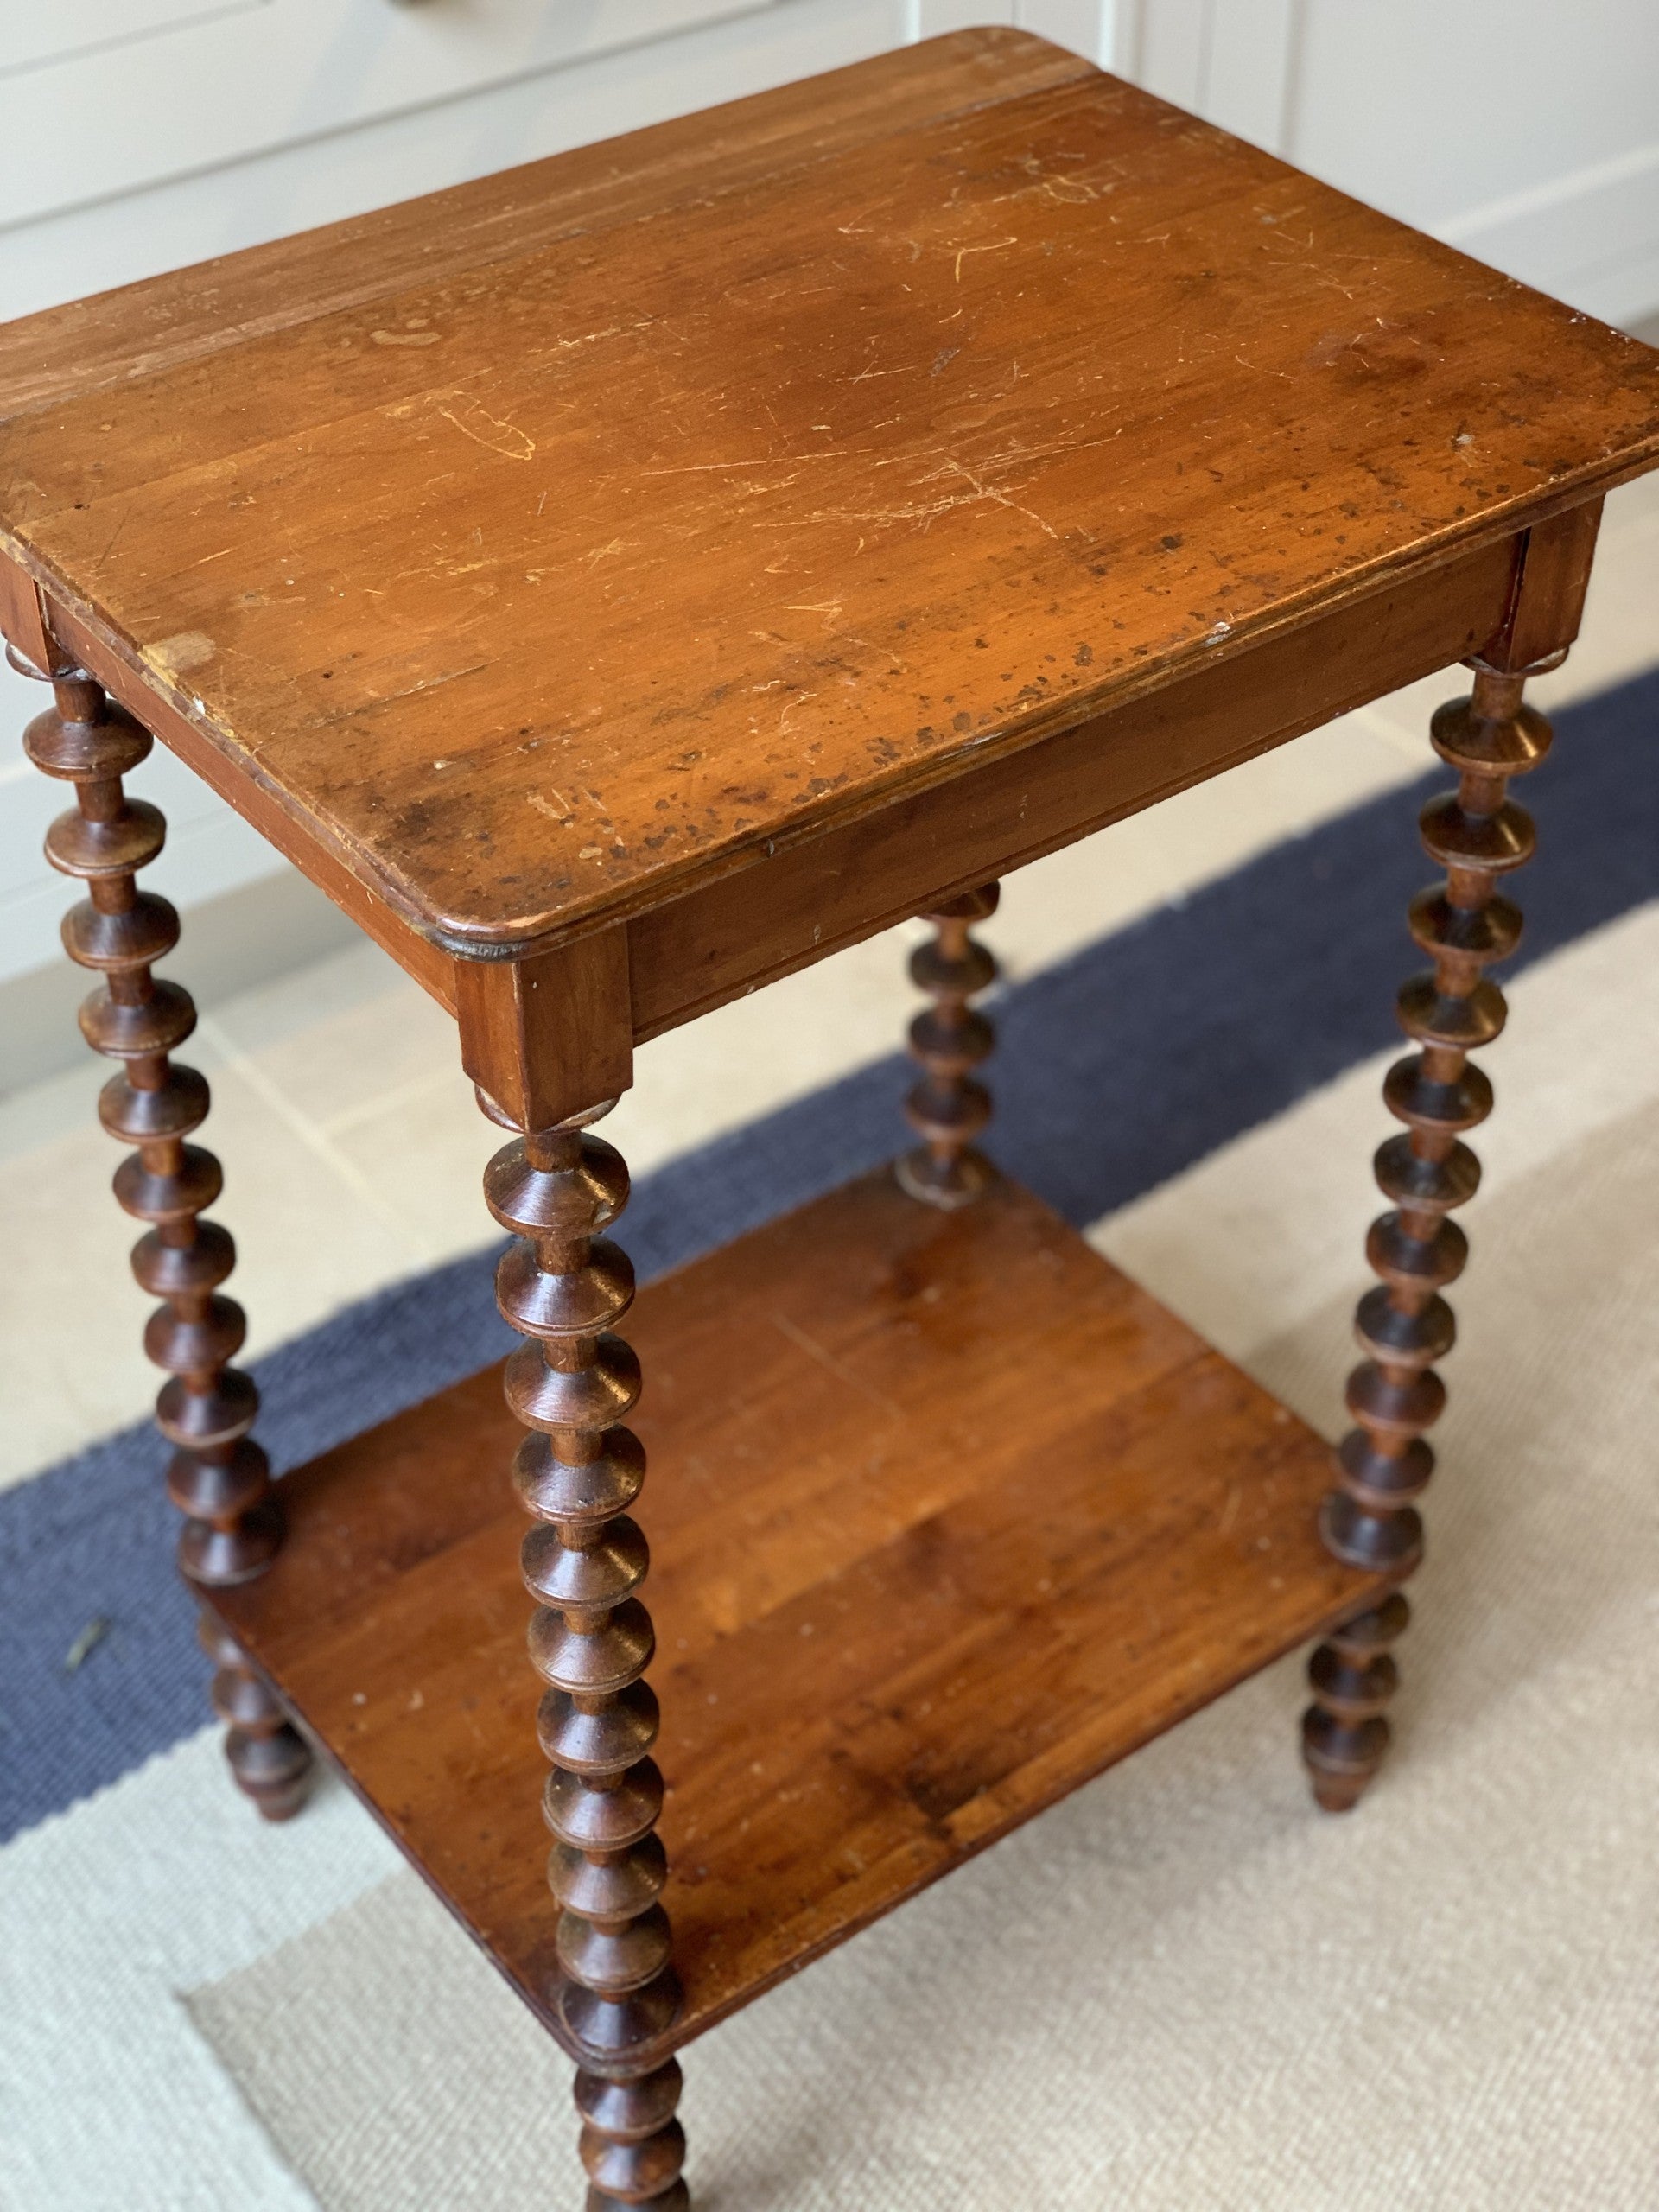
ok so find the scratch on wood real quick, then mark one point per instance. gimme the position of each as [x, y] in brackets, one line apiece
[927, 511]
[992, 245]
[412, 691]
[474, 421]
[710, 467]
[815, 1351]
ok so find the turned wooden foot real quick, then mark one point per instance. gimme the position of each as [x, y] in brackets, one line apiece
[632, 2147]
[1404, 1326]
[218, 1475]
[1345, 1734]
[949, 1106]
[269, 1758]
[563, 1285]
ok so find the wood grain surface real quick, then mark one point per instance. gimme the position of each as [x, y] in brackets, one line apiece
[945, 1516]
[543, 552]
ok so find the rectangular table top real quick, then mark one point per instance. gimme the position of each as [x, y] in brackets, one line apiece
[545, 547]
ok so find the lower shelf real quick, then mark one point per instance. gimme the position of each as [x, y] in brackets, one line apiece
[946, 1515]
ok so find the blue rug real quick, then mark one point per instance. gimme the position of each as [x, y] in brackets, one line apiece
[1116, 1070]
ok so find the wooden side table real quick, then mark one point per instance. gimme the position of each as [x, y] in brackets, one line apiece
[622, 582]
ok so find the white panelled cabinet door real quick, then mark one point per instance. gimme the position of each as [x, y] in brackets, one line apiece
[100, 97]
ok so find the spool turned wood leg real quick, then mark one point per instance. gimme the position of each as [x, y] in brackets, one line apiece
[563, 1286]
[1404, 1326]
[217, 1477]
[948, 1108]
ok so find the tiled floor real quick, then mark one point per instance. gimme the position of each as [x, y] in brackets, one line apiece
[352, 1145]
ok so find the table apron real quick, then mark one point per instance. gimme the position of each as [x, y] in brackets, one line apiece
[784, 910]
[808, 900]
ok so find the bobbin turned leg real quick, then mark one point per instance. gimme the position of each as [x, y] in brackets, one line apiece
[217, 1477]
[1384, 1463]
[562, 1286]
[948, 1108]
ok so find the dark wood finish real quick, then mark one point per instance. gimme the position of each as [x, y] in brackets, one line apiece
[988, 392]
[1404, 1326]
[574, 1383]
[544, 1036]
[217, 1477]
[790, 905]
[903, 1600]
[31, 646]
[801, 900]
[189, 314]
[632, 2147]
[1552, 576]
[146, 697]
[1015, 451]
[950, 1107]
[1383, 1464]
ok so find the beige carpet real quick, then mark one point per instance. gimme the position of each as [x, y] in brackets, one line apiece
[1182, 1989]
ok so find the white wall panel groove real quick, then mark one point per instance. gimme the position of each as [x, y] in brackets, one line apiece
[1525, 131]
[71, 30]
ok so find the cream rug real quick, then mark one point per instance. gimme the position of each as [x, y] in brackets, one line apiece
[1184, 1991]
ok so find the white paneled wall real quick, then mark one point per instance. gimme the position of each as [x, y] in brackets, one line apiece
[188, 140]
[138, 134]
[1228, 59]
[1525, 131]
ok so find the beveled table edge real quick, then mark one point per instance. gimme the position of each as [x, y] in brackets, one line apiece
[79, 627]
